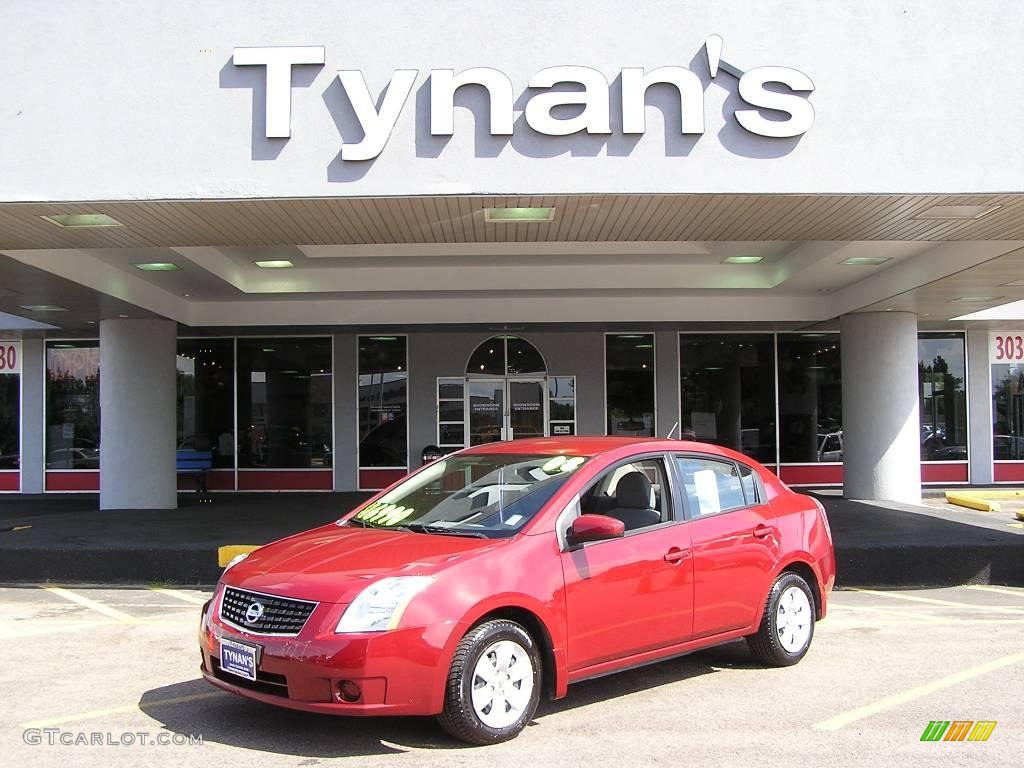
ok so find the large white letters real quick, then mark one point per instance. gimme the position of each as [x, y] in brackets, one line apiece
[594, 98]
[799, 109]
[634, 88]
[278, 61]
[444, 83]
[377, 126]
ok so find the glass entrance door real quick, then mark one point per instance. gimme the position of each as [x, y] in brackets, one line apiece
[505, 409]
[526, 405]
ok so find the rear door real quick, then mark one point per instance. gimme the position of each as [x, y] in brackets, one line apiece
[734, 539]
[633, 594]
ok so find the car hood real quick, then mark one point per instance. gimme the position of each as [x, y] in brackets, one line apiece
[334, 563]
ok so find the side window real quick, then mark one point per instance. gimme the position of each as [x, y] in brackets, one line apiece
[712, 486]
[751, 489]
[635, 493]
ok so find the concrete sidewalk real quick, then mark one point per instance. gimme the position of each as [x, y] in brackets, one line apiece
[71, 541]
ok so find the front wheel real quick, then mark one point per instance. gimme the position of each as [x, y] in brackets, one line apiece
[787, 625]
[494, 684]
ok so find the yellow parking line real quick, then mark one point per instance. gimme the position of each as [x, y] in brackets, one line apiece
[935, 601]
[986, 588]
[907, 616]
[113, 613]
[183, 596]
[97, 713]
[839, 721]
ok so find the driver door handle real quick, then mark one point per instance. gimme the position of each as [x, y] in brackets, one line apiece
[762, 531]
[675, 555]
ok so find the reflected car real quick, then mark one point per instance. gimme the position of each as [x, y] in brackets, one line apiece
[503, 573]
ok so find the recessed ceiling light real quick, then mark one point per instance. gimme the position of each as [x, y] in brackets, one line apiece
[956, 211]
[274, 264]
[123, 317]
[383, 338]
[631, 335]
[63, 346]
[813, 335]
[82, 220]
[645, 346]
[158, 266]
[513, 215]
[43, 308]
[866, 261]
[974, 299]
[743, 260]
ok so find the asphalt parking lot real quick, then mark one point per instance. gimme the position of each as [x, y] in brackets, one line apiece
[119, 666]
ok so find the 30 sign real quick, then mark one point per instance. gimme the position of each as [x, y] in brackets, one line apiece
[10, 357]
[1006, 347]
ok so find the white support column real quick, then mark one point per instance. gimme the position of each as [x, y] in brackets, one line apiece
[346, 426]
[33, 428]
[979, 407]
[881, 422]
[137, 425]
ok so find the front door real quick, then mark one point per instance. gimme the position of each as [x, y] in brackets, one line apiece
[505, 409]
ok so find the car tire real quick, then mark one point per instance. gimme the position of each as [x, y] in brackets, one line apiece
[494, 684]
[787, 625]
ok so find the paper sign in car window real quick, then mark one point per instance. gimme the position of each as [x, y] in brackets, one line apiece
[705, 484]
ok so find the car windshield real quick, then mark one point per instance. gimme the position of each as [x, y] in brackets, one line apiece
[487, 495]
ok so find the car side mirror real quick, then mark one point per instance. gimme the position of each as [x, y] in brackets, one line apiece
[587, 528]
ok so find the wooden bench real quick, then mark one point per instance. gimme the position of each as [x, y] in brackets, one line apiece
[196, 463]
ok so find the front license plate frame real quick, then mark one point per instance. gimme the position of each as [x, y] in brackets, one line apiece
[240, 659]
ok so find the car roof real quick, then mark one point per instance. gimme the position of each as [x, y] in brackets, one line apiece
[590, 446]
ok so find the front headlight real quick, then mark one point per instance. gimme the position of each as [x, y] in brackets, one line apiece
[380, 606]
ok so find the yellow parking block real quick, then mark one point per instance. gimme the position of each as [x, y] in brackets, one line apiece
[1020, 514]
[972, 501]
[229, 552]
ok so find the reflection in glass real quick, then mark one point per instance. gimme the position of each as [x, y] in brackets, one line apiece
[728, 392]
[488, 359]
[1008, 412]
[505, 356]
[383, 402]
[205, 398]
[629, 383]
[523, 358]
[73, 405]
[942, 377]
[284, 403]
[486, 411]
[810, 398]
[10, 420]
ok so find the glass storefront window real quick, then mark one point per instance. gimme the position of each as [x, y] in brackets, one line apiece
[451, 414]
[629, 384]
[1008, 412]
[562, 405]
[73, 405]
[810, 398]
[10, 421]
[284, 403]
[205, 398]
[728, 391]
[383, 402]
[942, 393]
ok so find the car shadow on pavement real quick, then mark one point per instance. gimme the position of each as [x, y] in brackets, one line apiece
[195, 708]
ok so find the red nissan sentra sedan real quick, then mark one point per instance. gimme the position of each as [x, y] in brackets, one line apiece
[504, 572]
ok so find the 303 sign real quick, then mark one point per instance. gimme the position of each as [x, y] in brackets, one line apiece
[10, 357]
[1006, 347]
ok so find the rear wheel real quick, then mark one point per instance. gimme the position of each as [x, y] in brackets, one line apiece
[787, 625]
[494, 684]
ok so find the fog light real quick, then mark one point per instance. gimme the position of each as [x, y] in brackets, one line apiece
[349, 691]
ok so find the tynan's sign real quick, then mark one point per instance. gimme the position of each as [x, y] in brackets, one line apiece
[786, 97]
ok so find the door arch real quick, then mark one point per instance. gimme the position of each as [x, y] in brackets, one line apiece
[506, 391]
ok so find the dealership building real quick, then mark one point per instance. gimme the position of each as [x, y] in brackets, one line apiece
[312, 241]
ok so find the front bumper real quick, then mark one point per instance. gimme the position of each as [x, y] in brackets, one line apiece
[399, 672]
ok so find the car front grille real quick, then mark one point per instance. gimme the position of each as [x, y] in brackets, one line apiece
[279, 615]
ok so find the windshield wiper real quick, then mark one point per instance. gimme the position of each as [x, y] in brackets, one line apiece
[356, 522]
[420, 528]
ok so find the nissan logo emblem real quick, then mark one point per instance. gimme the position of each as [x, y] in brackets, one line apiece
[253, 613]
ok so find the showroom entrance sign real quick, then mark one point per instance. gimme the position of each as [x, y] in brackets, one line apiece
[781, 90]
